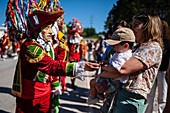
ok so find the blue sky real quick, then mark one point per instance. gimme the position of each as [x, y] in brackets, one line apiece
[89, 12]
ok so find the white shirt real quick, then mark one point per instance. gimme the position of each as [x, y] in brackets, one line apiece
[117, 61]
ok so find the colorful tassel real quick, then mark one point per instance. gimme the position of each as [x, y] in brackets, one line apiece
[17, 14]
[76, 25]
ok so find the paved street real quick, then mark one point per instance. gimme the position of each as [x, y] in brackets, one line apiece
[7, 100]
[71, 101]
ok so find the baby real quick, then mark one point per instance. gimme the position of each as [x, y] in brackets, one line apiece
[122, 41]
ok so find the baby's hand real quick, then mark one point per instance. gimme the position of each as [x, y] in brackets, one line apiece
[106, 62]
[103, 63]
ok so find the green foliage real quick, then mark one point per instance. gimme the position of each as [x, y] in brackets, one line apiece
[126, 9]
[89, 32]
[92, 36]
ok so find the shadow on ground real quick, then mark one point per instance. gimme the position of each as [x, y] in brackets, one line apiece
[6, 90]
[76, 96]
[2, 111]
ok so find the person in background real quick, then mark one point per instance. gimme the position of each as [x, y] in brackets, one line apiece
[99, 52]
[75, 33]
[122, 41]
[15, 47]
[119, 24]
[74, 50]
[167, 106]
[84, 48]
[89, 49]
[160, 81]
[142, 68]
[101, 48]
[108, 48]
[60, 46]
[60, 52]
[109, 51]
[96, 46]
[5, 44]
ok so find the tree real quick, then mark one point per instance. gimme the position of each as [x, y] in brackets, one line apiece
[126, 9]
[89, 32]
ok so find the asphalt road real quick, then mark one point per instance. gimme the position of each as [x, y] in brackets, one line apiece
[7, 100]
[72, 101]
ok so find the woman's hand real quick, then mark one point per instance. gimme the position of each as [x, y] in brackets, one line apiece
[102, 86]
[88, 66]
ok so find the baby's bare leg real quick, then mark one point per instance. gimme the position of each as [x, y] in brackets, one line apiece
[93, 91]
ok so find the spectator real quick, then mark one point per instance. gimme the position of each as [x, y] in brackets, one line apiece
[142, 68]
[120, 24]
[109, 51]
[160, 81]
[89, 50]
[100, 50]
[167, 107]
[74, 50]
[5, 44]
[122, 41]
[96, 46]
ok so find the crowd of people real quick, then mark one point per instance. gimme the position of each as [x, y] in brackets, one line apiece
[141, 74]
[133, 60]
[8, 47]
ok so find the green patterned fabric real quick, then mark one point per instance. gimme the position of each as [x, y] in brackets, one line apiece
[55, 101]
[56, 109]
[55, 84]
[41, 76]
[69, 69]
[33, 51]
[51, 53]
[17, 83]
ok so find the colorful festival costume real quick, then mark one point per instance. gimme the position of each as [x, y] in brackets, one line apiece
[36, 72]
[74, 44]
[84, 48]
[60, 50]
[5, 43]
[60, 46]
[75, 48]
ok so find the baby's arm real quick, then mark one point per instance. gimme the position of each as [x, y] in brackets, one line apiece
[109, 72]
[105, 74]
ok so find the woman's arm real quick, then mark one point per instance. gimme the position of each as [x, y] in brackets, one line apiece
[130, 66]
[106, 74]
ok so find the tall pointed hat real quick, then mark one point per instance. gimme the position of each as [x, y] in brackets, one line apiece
[75, 26]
